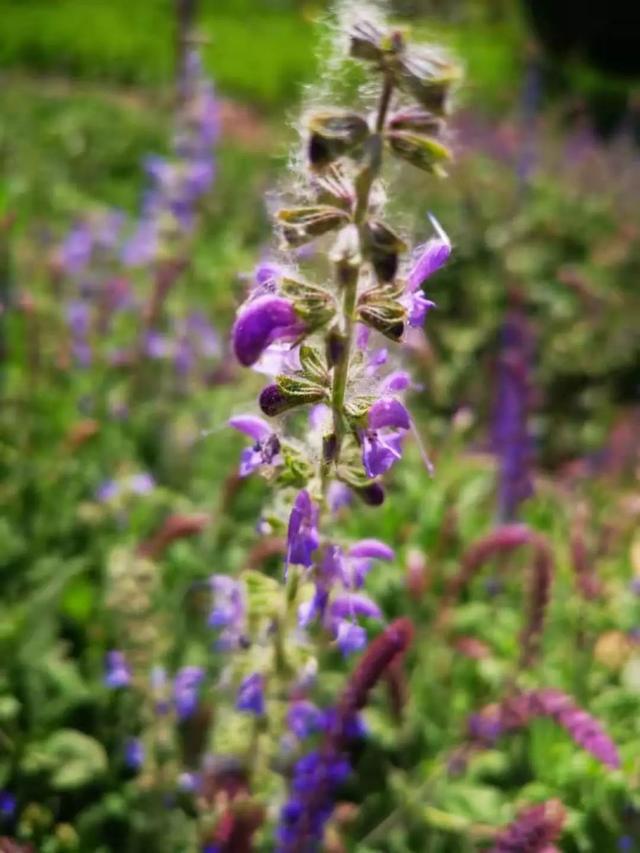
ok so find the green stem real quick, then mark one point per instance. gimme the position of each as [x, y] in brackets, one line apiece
[348, 276]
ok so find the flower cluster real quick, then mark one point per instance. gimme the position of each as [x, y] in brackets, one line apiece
[515, 712]
[323, 344]
[95, 264]
[534, 830]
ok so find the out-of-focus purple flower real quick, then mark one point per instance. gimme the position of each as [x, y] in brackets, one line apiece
[340, 618]
[75, 251]
[188, 782]
[511, 440]
[156, 345]
[266, 449]
[260, 322]
[387, 422]
[429, 257]
[228, 612]
[186, 687]
[395, 382]
[534, 830]
[134, 753]
[427, 260]
[8, 805]
[304, 718]
[251, 695]
[372, 548]
[316, 777]
[79, 318]
[117, 672]
[143, 245]
[267, 275]
[141, 484]
[107, 491]
[338, 495]
[302, 533]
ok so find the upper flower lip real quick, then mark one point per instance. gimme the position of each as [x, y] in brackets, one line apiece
[259, 323]
[388, 412]
[251, 425]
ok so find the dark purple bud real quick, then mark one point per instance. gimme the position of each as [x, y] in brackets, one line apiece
[372, 495]
[273, 401]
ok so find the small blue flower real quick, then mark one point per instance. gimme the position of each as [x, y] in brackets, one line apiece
[251, 695]
[134, 753]
[117, 672]
[185, 690]
[8, 805]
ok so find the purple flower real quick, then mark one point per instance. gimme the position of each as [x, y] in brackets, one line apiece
[260, 322]
[534, 830]
[107, 491]
[302, 534]
[350, 637]
[251, 695]
[185, 690]
[340, 619]
[304, 718]
[142, 246]
[511, 440]
[117, 672]
[228, 612]
[338, 495]
[141, 484]
[7, 805]
[79, 318]
[316, 777]
[75, 252]
[388, 412]
[156, 345]
[372, 548]
[427, 260]
[429, 257]
[387, 421]
[134, 753]
[266, 449]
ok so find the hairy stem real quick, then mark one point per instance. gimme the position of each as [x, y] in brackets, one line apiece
[348, 275]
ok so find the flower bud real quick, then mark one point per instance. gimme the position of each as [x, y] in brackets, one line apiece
[366, 42]
[383, 247]
[288, 392]
[384, 315]
[334, 133]
[426, 76]
[425, 152]
[372, 495]
[302, 224]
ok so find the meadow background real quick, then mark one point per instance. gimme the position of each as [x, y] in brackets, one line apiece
[541, 202]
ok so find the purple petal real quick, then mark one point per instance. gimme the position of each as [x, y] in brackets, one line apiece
[353, 605]
[399, 380]
[251, 425]
[350, 637]
[429, 257]
[261, 322]
[372, 548]
[388, 412]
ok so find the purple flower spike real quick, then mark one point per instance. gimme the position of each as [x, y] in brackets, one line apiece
[251, 695]
[262, 321]
[302, 535]
[388, 412]
[429, 257]
[372, 548]
[185, 690]
[117, 672]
